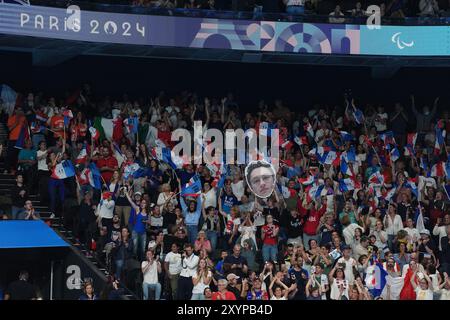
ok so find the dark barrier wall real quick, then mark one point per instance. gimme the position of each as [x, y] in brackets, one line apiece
[75, 270]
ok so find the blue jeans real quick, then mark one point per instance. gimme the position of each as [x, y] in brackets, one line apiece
[139, 240]
[212, 237]
[306, 239]
[192, 230]
[269, 252]
[55, 185]
[198, 296]
[152, 286]
[119, 268]
[295, 9]
[15, 212]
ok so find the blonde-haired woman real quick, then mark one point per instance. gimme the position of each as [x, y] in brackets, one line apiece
[201, 280]
[166, 196]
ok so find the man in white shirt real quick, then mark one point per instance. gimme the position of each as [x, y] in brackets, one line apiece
[413, 233]
[381, 119]
[441, 231]
[150, 269]
[336, 13]
[188, 270]
[347, 263]
[105, 210]
[295, 6]
[172, 266]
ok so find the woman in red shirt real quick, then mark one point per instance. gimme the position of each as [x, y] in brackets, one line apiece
[269, 234]
[223, 293]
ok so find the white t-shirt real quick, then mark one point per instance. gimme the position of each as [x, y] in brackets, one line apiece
[210, 199]
[42, 164]
[174, 260]
[445, 294]
[379, 123]
[348, 271]
[151, 275]
[189, 266]
[295, 3]
[334, 293]
[106, 209]
[200, 286]
[238, 189]
[278, 299]
[424, 294]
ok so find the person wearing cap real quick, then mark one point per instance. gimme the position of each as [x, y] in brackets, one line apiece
[426, 245]
[105, 211]
[232, 285]
[257, 292]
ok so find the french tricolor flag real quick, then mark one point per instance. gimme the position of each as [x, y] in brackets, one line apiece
[82, 156]
[315, 191]
[41, 116]
[412, 185]
[411, 139]
[438, 170]
[94, 133]
[63, 170]
[395, 154]
[301, 140]
[68, 115]
[440, 136]
[376, 178]
[390, 194]
[157, 153]
[346, 136]
[345, 169]
[349, 155]
[346, 185]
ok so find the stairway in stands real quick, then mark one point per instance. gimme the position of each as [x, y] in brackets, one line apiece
[7, 181]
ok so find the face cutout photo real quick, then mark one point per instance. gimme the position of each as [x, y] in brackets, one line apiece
[260, 176]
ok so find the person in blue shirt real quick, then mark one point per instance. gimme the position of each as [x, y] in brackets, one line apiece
[185, 174]
[138, 222]
[227, 200]
[191, 213]
[27, 160]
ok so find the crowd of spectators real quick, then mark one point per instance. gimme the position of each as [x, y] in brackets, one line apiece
[383, 210]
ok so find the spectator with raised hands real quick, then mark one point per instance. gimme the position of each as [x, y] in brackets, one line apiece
[150, 270]
[138, 223]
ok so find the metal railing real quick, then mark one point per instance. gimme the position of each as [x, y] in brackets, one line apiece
[257, 14]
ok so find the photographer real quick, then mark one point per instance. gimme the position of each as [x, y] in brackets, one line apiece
[189, 265]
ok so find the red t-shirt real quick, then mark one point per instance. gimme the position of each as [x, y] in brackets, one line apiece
[228, 296]
[57, 124]
[108, 162]
[313, 220]
[269, 239]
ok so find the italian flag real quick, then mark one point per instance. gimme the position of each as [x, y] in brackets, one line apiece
[110, 129]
